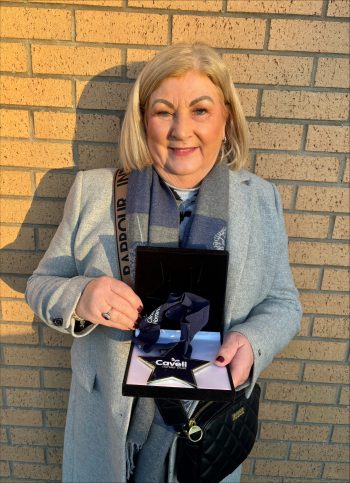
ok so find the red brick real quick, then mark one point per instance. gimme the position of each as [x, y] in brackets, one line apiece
[341, 229]
[338, 471]
[304, 168]
[56, 339]
[13, 57]
[305, 277]
[243, 33]
[57, 379]
[212, 6]
[16, 311]
[19, 377]
[328, 138]
[328, 373]
[325, 304]
[22, 453]
[306, 226]
[91, 157]
[18, 334]
[332, 72]
[71, 60]
[12, 286]
[275, 136]
[34, 437]
[102, 95]
[31, 154]
[294, 432]
[52, 184]
[21, 417]
[269, 69]
[305, 105]
[36, 23]
[288, 371]
[36, 357]
[36, 92]
[315, 350]
[137, 59]
[267, 449]
[287, 468]
[315, 253]
[121, 27]
[334, 279]
[288, 7]
[46, 212]
[314, 198]
[341, 434]
[55, 419]
[37, 398]
[31, 470]
[338, 8]
[21, 237]
[312, 393]
[276, 411]
[331, 328]
[69, 126]
[318, 452]
[45, 237]
[18, 263]
[309, 36]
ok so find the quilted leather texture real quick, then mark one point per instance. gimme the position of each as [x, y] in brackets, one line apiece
[226, 443]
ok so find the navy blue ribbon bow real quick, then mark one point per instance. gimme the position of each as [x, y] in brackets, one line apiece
[190, 310]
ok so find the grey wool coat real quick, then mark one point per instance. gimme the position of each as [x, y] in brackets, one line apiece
[261, 303]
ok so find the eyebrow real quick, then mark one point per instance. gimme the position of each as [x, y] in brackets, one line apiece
[169, 104]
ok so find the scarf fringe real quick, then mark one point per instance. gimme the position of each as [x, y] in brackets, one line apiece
[131, 451]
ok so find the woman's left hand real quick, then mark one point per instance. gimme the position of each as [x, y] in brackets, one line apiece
[236, 351]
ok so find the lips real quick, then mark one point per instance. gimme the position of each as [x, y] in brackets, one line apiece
[182, 151]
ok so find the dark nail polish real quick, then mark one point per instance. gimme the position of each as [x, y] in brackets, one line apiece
[137, 322]
[140, 309]
[220, 359]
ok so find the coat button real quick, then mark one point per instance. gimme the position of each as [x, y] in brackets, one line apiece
[57, 322]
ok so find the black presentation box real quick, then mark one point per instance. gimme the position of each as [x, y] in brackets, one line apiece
[159, 272]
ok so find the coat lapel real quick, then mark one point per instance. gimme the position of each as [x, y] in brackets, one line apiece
[239, 224]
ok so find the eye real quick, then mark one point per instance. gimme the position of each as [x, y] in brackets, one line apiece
[200, 111]
[163, 113]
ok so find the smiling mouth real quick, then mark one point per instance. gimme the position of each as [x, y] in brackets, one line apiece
[182, 151]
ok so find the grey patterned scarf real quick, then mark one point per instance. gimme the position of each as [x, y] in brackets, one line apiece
[153, 219]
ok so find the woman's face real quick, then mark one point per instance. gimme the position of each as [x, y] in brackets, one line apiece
[185, 126]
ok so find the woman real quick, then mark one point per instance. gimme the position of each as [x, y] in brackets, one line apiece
[184, 142]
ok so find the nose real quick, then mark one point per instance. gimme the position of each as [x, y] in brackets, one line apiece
[181, 127]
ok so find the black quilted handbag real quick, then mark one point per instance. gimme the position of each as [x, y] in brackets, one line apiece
[217, 439]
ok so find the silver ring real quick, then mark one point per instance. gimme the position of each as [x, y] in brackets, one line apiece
[106, 315]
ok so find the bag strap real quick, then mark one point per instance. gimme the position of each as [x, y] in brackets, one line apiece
[120, 188]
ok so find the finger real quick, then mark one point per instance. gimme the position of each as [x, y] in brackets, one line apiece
[120, 288]
[116, 320]
[240, 368]
[226, 352]
[119, 304]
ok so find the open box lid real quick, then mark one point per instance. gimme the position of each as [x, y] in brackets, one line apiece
[160, 271]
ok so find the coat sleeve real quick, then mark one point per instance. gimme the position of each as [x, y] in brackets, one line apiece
[55, 287]
[276, 320]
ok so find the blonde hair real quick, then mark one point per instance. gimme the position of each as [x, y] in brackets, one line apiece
[175, 61]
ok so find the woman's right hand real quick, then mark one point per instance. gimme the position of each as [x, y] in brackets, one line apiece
[107, 294]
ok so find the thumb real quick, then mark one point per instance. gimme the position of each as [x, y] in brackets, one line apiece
[227, 351]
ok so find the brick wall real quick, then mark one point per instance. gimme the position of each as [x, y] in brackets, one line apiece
[67, 70]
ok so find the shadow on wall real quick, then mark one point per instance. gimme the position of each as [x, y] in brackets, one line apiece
[99, 114]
